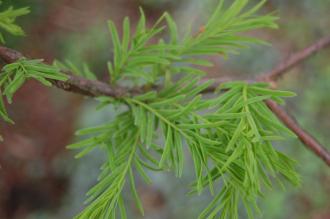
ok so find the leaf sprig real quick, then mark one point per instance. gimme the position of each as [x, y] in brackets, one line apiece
[7, 21]
[121, 141]
[247, 159]
[141, 56]
[13, 76]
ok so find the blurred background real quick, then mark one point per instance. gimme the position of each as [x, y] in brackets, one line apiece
[39, 178]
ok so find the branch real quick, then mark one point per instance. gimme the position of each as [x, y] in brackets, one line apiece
[307, 139]
[295, 59]
[304, 137]
[282, 68]
[75, 83]
[96, 88]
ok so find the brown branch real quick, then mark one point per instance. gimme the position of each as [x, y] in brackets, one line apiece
[95, 88]
[75, 83]
[295, 59]
[306, 138]
[303, 135]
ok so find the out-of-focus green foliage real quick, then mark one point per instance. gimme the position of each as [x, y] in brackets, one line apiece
[7, 21]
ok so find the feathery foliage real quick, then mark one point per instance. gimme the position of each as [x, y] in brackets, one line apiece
[137, 57]
[13, 76]
[229, 138]
[7, 21]
[229, 135]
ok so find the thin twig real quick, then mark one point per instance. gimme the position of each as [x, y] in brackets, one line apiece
[294, 60]
[303, 135]
[75, 83]
[272, 76]
[282, 68]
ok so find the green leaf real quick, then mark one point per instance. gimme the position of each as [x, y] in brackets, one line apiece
[135, 193]
[172, 28]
